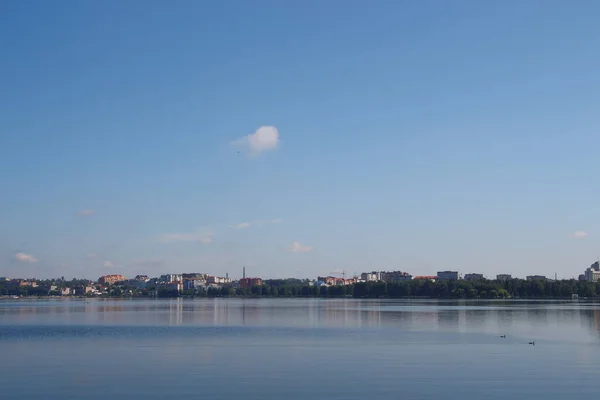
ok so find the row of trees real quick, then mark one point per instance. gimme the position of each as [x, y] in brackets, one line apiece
[515, 288]
[460, 289]
[10, 288]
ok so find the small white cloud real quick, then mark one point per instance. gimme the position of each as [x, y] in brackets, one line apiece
[92, 255]
[108, 264]
[579, 234]
[242, 225]
[85, 213]
[264, 139]
[247, 224]
[299, 248]
[26, 258]
[204, 238]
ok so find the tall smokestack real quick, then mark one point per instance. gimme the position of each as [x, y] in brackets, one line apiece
[244, 273]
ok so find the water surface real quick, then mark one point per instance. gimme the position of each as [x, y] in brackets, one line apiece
[298, 349]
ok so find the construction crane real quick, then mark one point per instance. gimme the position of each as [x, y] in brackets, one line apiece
[343, 273]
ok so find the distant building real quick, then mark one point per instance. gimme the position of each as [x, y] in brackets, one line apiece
[395, 276]
[536, 278]
[65, 291]
[503, 277]
[194, 275]
[82, 290]
[369, 276]
[142, 278]
[249, 282]
[592, 275]
[426, 277]
[473, 277]
[176, 286]
[582, 277]
[447, 275]
[193, 283]
[111, 279]
[334, 281]
[168, 278]
[595, 266]
[219, 280]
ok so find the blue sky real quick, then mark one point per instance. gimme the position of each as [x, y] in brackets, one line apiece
[418, 136]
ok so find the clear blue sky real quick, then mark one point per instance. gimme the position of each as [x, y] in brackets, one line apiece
[413, 135]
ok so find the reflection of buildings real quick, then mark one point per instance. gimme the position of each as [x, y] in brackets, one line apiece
[449, 320]
[369, 316]
[176, 311]
[538, 315]
[591, 319]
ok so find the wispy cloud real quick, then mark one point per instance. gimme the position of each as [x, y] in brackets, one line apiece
[296, 247]
[86, 213]
[247, 224]
[108, 264]
[204, 238]
[26, 258]
[265, 138]
[92, 255]
[579, 234]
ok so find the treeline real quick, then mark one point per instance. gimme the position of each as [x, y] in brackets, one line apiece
[484, 289]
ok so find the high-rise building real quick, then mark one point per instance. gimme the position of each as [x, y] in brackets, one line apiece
[447, 275]
[592, 275]
[473, 277]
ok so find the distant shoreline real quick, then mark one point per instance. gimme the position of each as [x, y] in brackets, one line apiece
[445, 299]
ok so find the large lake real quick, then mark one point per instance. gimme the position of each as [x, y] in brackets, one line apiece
[298, 349]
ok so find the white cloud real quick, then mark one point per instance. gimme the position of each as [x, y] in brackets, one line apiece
[26, 258]
[264, 139]
[579, 234]
[92, 255]
[85, 213]
[247, 224]
[108, 264]
[299, 248]
[204, 238]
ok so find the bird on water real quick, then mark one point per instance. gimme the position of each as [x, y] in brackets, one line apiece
[532, 343]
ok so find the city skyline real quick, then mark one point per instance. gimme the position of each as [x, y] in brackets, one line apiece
[143, 139]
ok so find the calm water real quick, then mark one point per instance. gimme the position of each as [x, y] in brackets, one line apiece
[298, 349]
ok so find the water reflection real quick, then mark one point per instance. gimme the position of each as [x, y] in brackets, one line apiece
[528, 319]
